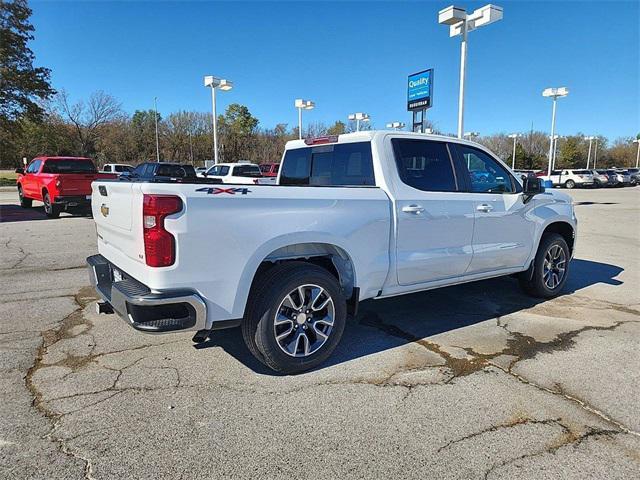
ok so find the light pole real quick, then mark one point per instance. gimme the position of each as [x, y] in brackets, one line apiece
[155, 109]
[359, 117]
[553, 93]
[300, 104]
[224, 85]
[555, 150]
[461, 23]
[471, 135]
[515, 137]
[637, 140]
[396, 125]
[595, 154]
[589, 154]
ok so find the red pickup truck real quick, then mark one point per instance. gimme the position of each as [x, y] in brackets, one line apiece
[61, 183]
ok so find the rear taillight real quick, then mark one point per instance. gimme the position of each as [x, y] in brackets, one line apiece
[159, 245]
[321, 140]
[58, 183]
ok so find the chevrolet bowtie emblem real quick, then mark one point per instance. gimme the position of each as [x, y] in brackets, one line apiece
[104, 210]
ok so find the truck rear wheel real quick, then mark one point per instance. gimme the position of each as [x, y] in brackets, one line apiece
[295, 317]
[550, 268]
[24, 202]
[50, 209]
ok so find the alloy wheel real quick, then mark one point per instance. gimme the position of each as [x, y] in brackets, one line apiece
[554, 266]
[304, 320]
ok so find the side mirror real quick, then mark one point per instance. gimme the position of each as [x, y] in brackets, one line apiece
[20, 170]
[532, 186]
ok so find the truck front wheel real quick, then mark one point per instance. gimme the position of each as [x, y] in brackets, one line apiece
[550, 268]
[24, 202]
[295, 317]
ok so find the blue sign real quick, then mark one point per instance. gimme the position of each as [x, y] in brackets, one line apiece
[420, 90]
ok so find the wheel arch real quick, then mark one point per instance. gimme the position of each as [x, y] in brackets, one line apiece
[328, 255]
[565, 229]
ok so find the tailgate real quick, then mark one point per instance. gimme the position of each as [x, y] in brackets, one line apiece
[114, 209]
[75, 183]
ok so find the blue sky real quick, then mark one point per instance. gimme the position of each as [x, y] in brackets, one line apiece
[353, 57]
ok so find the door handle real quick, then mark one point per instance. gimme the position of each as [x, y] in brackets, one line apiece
[417, 209]
[484, 207]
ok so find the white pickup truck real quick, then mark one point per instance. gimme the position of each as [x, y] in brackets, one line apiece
[363, 215]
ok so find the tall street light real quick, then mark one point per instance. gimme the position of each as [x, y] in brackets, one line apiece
[591, 139]
[224, 85]
[471, 135]
[595, 154]
[396, 125]
[555, 150]
[359, 117]
[554, 93]
[302, 104]
[637, 140]
[515, 137]
[155, 109]
[460, 23]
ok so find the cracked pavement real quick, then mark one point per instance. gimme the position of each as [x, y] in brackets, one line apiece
[472, 381]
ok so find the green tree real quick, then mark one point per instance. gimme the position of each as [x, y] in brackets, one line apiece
[21, 84]
[337, 128]
[143, 130]
[237, 128]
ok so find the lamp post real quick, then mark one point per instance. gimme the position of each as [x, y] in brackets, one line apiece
[515, 137]
[155, 109]
[224, 85]
[554, 93]
[589, 154]
[461, 23]
[302, 104]
[471, 135]
[555, 150]
[595, 154]
[396, 125]
[359, 117]
[637, 140]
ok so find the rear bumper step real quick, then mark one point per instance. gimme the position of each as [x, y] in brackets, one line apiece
[143, 309]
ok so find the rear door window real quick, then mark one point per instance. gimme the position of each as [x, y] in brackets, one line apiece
[61, 166]
[424, 165]
[345, 164]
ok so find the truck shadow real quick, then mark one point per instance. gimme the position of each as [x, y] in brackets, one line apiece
[382, 324]
[15, 213]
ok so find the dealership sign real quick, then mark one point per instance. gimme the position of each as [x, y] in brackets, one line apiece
[420, 90]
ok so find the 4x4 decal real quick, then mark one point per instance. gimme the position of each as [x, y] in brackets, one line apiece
[218, 190]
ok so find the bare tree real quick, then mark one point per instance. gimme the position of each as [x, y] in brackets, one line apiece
[87, 118]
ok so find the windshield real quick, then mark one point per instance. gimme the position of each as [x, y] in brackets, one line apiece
[69, 166]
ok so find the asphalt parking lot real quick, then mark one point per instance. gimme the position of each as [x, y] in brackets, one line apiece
[472, 381]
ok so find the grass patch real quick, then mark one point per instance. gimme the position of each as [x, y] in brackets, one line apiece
[7, 182]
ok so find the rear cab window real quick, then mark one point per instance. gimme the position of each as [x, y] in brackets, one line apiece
[333, 165]
[62, 166]
[246, 171]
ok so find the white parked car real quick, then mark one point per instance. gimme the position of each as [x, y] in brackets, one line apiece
[570, 178]
[238, 173]
[353, 217]
[118, 168]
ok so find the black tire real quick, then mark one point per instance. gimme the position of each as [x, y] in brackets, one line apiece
[50, 209]
[24, 202]
[267, 296]
[537, 285]
[569, 184]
